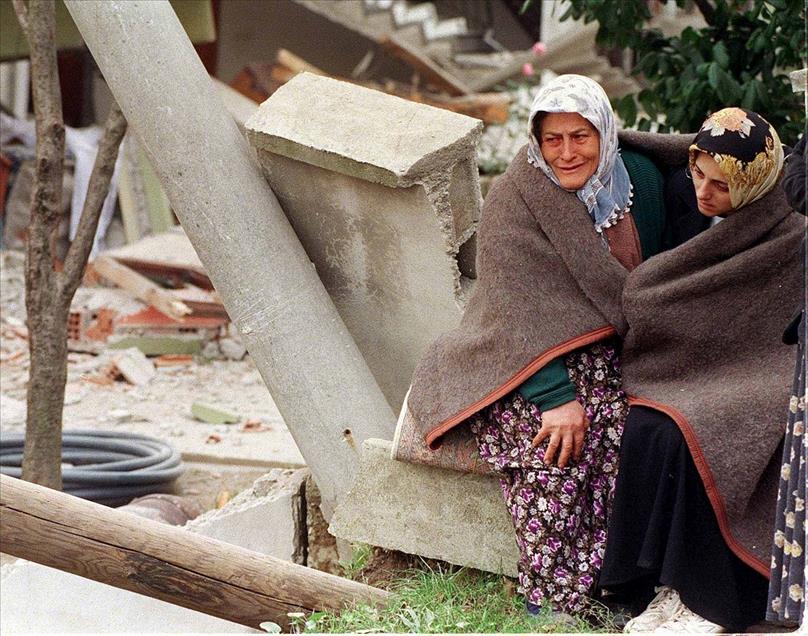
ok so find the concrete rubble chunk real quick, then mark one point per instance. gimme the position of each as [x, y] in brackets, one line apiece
[269, 518]
[432, 512]
[377, 137]
[384, 195]
[134, 366]
[205, 412]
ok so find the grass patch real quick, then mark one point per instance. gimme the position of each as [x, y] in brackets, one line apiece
[444, 599]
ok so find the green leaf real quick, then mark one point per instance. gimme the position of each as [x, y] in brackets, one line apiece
[627, 109]
[525, 6]
[721, 55]
[748, 101]
[648, 101]
[713, 76]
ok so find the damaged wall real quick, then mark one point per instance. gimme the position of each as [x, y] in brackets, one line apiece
[383, 194]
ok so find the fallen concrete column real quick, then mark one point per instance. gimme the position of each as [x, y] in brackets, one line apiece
[384, 195]
[311, 365]
[436, 513]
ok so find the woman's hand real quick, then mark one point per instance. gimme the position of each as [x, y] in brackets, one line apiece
[566, 426]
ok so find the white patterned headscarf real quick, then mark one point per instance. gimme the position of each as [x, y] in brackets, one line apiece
[607, 193]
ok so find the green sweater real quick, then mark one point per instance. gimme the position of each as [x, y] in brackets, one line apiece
[551, 386]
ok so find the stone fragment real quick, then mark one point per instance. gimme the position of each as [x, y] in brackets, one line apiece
[134, 366]
[232, 349]
[212, 414]
[269, 518]
[436, 513]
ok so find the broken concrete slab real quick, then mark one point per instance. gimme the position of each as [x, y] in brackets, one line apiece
[441, 514]
[379, 137]
[269, 518]
[384, 196]
[72, 604]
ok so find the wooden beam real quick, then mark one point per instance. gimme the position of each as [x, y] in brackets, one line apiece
[429, 71]
[296, 63]
[164, 562]
[140, 286]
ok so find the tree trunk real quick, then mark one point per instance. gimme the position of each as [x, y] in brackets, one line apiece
[47, 329]
[48, 294]
[42, 454]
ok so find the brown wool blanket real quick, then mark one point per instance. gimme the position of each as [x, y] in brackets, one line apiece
[704, 346]
[547, 285]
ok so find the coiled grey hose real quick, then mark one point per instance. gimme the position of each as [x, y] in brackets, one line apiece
[107, 467]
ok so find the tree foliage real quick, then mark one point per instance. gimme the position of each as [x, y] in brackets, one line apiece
[740, 58]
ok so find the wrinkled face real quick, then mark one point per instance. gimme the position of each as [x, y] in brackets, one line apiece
[571, 147]
[712, 189]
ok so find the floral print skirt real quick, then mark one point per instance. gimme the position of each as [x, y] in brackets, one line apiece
[787, 586]
[560, 514]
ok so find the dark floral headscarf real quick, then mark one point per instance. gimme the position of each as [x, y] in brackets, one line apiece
[747, 149]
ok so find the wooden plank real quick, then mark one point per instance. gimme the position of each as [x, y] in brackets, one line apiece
[297, 64]
[164, 562]
[430, 72]
[140, 286]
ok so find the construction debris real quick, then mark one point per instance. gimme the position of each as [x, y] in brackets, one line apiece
[258, 81]
[213, 414]
[134, 366]
[140, 287]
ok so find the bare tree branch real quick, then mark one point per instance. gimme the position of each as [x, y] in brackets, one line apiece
[22, 15]
[97, 190]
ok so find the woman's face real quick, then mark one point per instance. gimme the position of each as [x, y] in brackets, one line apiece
[571, 147]
[712, 189]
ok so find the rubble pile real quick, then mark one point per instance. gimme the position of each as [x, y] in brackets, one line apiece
[188, 381]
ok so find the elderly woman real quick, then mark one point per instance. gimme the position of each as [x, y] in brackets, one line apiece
[707, 375]
[533, 366]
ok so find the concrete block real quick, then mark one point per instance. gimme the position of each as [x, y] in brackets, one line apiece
[383, 194]
[134, 366]
[432, 512]
[38, 599]
[269, 518]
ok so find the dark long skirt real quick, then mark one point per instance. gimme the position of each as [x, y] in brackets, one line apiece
[663, 530]
[559, 514]
[787, 590]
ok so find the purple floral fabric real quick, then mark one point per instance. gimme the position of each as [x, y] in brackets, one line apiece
[560, 514]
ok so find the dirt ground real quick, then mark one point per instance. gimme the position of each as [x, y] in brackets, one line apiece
[220, 458]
